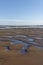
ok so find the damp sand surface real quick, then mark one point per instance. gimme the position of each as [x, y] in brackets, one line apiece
[13, 57]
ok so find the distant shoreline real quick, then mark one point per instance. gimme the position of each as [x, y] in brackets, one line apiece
[20, 26]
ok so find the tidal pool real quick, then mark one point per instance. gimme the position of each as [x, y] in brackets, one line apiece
[23, 51]
[24, 48]
[33, 43]
[41, 47]
[30, 39]
[10, 37]
[1, 39]
[17, 42]
[21, 36]
[8, 33]
[39, 38]
[7, 48]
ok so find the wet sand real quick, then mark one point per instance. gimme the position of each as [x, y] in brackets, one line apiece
[13, 57]
[33, 57]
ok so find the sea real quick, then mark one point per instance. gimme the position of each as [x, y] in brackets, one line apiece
[20, 26]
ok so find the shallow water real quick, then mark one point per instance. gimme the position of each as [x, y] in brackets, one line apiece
[8, 33]
[18, 32]
[41, 47]
[26, 45]
[18, 42]
[30, 39]
[39, 38]
[6, 48]
[1, 39]
[22, 51]
[10, 36]
[21, 36]
[33, 43]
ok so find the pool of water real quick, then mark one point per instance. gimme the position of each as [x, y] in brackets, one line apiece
[27, 38]
[30, 39]
[8, 33]
[1, 39]
[18, 42]
[7, 48]
[23, 51]
[17, 36]
[26, 45]
[39, 38]
[10, 36]
[21, 36]
[41, 47]
[33, 42]
[18, 32]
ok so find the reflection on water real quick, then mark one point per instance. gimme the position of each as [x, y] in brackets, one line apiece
[18, 42]
[41, 47]
[1, 39]
[23, 51]
[33, 43]
[8, 33]
[39, 38]
[24, 48]
[10, 37]
[7, 48]
[21, 36]
[26, 45]
[30, 39]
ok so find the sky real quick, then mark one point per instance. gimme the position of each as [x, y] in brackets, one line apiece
[21, 12]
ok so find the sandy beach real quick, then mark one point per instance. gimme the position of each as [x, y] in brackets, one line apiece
[34, 56]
